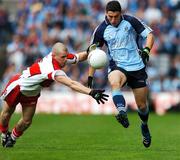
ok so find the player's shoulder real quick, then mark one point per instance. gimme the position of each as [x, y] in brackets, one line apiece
[47, 58]
[129, 17]
[134, 21]
[102, 26]
[48, 62]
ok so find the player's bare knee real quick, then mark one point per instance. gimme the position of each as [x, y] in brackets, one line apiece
[142, 106]
[5, 116]
[114, 84]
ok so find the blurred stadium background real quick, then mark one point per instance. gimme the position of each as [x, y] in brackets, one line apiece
[28, 29]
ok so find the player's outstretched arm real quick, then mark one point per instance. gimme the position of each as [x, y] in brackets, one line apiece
[82, 56]
[78, 57]
[97, 94]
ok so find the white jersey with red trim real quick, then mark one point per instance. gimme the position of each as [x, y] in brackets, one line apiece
[40, 74]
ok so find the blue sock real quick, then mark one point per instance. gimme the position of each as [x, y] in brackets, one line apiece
[144, 115]
[119, 100]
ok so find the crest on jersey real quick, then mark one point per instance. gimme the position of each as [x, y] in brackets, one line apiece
[126, 29]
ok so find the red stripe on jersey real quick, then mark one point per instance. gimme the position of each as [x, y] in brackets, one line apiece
[12, 98]
[70, 56]
[50, 76]
[14, 78]
[55, 64]
[34, 69]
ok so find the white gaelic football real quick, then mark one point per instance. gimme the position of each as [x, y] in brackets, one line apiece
[97, 59]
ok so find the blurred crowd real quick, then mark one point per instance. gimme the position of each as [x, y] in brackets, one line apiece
[30, 32]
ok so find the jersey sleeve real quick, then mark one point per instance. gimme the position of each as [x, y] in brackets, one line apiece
[140, 27]
[52, 75]
[98, 35]
[146, 31]
[72, 58]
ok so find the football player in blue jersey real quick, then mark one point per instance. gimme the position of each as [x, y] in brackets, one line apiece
[121, 34]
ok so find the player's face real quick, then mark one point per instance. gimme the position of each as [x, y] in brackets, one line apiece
[113, 17]
[62, 58]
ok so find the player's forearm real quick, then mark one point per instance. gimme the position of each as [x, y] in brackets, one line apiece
[83, 56]
[79, 87]
[150, 41]
[72, 84]
[91, 71]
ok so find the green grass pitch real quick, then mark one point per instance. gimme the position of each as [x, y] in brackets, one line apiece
[87, 137]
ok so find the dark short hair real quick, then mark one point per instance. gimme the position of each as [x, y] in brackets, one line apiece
[113, 6]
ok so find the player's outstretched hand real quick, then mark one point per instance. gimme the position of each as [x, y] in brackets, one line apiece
[145, 55]
[98, 95]
[91, 48]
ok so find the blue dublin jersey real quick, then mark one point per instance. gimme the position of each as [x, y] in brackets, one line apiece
[123, 41]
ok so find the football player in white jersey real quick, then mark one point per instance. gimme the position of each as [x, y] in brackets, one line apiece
[25, 89]
[122, 34]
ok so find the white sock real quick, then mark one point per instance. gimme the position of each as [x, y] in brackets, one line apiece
[13, 136]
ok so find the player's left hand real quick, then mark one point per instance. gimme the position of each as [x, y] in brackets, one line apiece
[91, 48]
[98, 95]
[145, 55]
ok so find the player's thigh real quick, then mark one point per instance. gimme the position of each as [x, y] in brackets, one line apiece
[117, 78]
[28, 112]
[7, 110]
[28, 106]
[140, 95]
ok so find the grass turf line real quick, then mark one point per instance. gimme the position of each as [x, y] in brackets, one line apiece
[87, 137]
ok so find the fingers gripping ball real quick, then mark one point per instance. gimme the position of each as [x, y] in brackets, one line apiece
[97, 59]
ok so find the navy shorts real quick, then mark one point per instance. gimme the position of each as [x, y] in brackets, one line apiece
[135, 79]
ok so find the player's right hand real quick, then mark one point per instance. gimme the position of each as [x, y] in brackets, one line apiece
[90, 81]
[91, 48]
[98, 95]
[145, 55]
